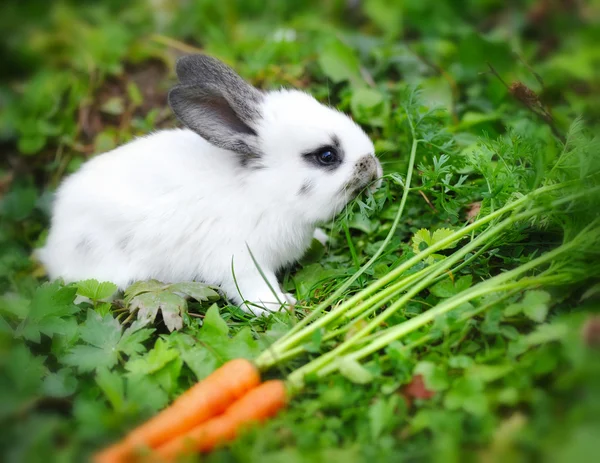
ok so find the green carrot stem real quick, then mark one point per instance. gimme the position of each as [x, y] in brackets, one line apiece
[296, 335]
[392, 334]
[495, 284]
[449, 261]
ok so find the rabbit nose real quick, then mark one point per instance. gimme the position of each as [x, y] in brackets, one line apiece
[369, 168]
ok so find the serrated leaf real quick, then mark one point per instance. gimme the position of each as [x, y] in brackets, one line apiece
[132, 339]
[103, 332]
[423, 239]
[212, 346]
[422, 236]
[172, 306]
[167, 376]
[95, 290]
[103, 336]
[448, 288]
[50, 305]
[441, 234]
[199, 359]
[196, 290]
[354, 371]
[154, 360]
[90, 358]
[140, 287]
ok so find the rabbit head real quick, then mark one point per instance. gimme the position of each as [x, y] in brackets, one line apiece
[308, 158]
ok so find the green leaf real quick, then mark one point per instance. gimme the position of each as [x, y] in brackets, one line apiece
[448, 288]
[354, 371]
[467, 393]
[103, 336]
[546, 333]
[380, 415]
[132, 340]
[111, 384]
[90, 358]
[339, 62]
[154, 360]
[369, 106]
[172, 307]
[32, 144]
[434, 376]
[113, 106]
[212, 345]
[145, 392]
[441, 234]
[197, 356]
[60, 384]
[105, 141]
[103, 332]
[310, 276]
[134, 94]
[535, 305]
[388, 16]
[198, 291]
[50, 305]
[489, 373]
[422, 236]
[213, 324]
[95, 290]
[141, 287]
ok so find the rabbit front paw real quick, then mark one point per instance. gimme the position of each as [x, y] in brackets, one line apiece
[320, 236]
[270, 304]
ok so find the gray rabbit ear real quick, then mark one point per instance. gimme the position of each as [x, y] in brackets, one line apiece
[215, 102]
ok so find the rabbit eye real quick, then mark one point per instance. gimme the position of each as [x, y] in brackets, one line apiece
[326, 157]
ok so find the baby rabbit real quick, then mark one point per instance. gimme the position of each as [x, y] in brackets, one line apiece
[253, 170]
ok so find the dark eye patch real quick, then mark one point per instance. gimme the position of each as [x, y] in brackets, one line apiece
[327, 157]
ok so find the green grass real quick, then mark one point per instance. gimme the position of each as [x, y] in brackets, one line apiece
[472, 104]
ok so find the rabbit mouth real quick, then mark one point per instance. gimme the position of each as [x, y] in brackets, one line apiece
[367, 175]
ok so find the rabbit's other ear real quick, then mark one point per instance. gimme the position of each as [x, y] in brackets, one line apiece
[216, 103]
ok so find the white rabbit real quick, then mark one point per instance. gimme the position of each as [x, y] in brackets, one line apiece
[252, 170]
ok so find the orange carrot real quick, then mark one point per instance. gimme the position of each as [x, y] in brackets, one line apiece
[209, 398]
[257, 405]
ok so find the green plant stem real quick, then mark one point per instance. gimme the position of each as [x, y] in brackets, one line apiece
[330, 356]
[396, 332]
[269, 357]
[296, 335]
[286, 342]
[351, 247]
[495, 284]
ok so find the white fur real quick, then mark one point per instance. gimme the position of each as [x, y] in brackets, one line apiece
[173, 207]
